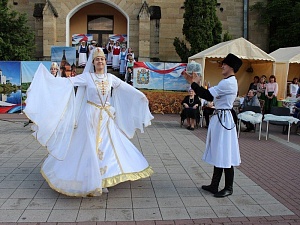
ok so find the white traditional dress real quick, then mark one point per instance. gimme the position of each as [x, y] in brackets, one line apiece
[222, 148]
[87, 137]
[83, 50]
[116, 59]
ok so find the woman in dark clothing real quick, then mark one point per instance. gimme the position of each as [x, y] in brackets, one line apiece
[253, 85]
[190, 105]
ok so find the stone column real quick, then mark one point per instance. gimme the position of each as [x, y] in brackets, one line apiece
[144, 33]
[49, 29]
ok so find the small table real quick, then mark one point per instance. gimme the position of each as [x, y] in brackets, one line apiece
[251, 117]
[289, 119]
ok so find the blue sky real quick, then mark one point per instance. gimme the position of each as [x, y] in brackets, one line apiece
[57, 53]
[11, 69]
[29, 68]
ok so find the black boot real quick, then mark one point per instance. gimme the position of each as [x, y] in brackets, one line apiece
[213, 187]
[228, 189]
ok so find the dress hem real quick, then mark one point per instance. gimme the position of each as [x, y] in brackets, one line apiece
[112, 181]
[107, 182]
[96, 192]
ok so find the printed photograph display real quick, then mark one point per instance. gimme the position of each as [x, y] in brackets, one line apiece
[66, 59]
[10, 82]
[159, 76]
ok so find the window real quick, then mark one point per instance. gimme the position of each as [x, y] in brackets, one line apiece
[100, 23]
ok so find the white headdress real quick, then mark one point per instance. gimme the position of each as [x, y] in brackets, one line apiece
[56, 66]
[89, 66]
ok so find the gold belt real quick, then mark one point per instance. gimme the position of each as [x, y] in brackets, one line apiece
[106, 108]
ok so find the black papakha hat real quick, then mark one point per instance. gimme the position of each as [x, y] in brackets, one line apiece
[233, 61]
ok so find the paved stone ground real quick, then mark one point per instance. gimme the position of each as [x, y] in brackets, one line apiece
[265, 189]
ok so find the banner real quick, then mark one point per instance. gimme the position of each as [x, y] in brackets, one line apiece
[159, 76]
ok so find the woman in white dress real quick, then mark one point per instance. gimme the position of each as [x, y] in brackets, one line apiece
[87, 136]
[222, 148]
[116, 58]
[122, 58]
[294, 87]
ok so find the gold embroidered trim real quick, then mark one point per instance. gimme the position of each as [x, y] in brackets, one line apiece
[103, 170]
[106, 108]
[96, 192]
[112, 181]
[113, 147]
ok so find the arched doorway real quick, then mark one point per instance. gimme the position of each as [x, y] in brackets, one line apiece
[99, 18]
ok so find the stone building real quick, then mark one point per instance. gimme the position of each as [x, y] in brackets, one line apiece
[150, 25]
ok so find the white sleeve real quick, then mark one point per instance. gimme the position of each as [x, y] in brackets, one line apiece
[132, 107]
[50, 105]
[79, 80]
[223, 88]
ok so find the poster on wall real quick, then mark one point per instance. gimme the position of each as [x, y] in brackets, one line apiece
[10, 82]
[66, 60]
[159, 76]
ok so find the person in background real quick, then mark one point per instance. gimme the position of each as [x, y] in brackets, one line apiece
[222, 147]
[294, 86]
[92, 46]
[191, 104]
[208, 109]
[129, 76]
[298, 93]
[116, 58]
[296, 109]
[261, 88]
[83, 52]
[104, 49]
[253, 85]
[250, 100]
[271, 94]
[54, 69]
[122, 59]
[129, 52]
[109, 48]
[130, 62]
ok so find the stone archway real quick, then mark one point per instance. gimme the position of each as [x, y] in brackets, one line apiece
[77, 17]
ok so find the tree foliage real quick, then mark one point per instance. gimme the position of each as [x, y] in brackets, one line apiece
[282, 18]
[16, 38]
[202, 28]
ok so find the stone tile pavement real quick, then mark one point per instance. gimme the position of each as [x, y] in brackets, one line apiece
[266, 188]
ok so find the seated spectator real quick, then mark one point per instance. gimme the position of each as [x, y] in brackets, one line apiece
[296, 109]
[208, 109]
[190, 111]
[294, 88]
[250, 100]
[298, 92]
[253, 85]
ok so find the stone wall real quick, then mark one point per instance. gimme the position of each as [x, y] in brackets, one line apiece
[170, 24]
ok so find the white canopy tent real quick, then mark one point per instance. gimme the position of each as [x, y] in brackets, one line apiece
[287, 66]
[256, 62]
